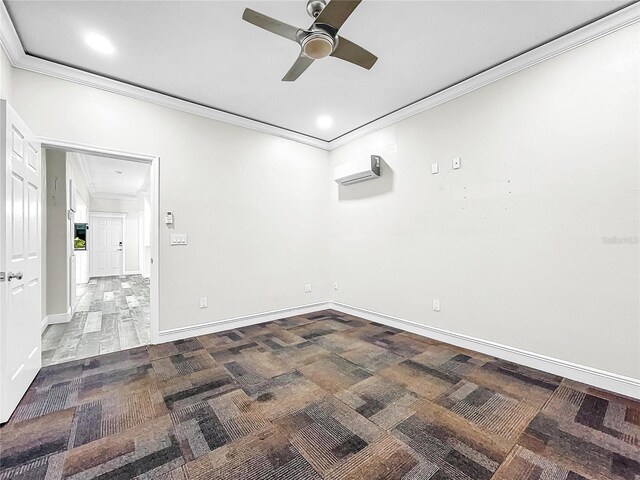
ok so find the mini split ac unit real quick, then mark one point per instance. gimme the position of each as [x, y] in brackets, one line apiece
[359, 170]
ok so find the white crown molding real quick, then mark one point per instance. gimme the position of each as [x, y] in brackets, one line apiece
[609, 24]
[580, 373]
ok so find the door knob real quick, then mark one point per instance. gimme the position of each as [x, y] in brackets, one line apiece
[17, 276]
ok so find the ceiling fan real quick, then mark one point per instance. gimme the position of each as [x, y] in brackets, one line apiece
[321, 39]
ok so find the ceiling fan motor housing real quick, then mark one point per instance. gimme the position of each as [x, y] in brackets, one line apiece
[314, 7]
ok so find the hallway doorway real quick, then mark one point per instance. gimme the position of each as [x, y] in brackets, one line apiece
[98, 264]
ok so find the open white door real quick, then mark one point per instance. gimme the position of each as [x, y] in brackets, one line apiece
[20, 211]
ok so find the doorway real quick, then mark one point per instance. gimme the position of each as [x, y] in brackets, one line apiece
[110, 246]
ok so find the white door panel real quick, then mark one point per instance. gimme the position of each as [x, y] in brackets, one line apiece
[20, 210]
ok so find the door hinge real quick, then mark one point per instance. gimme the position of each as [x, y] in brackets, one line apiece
[2, 276]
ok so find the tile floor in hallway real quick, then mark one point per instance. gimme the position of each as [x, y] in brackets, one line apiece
[112, 314]
[319, 396]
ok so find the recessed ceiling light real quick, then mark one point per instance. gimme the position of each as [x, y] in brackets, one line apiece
[99, 43]
[324, 121]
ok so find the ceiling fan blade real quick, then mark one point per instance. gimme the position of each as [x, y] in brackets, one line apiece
[336, 12]
[353, 53]
[270, 24]
[298, 68]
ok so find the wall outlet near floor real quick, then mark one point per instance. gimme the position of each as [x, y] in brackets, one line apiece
[307, 288]
[457, 163]
[434, 168]
[436, 304]
[335, 285]
[204, 303]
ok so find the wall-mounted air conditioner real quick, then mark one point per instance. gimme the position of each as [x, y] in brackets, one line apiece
[358, 170]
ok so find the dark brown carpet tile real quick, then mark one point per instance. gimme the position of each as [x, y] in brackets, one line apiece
[338, 342]
[254, 371]
[144, 451]
[301, 354]
[220, 339]
[111, 363]
[285, 394]
[523, 464]
[526, 384]
[114, 414]
[327, 433]
[206, 426]
[182, 364]
[334, 373]
[89, 387]
[495, 413]
[383, 402]
[389, 338]
[174, 348]
[263, 455]
[323, 395]
[491, 445]
[422, 379]
[443, 454]
[31, 442]
[371, 357]
[185, 390]
[292, 322]
[594, 433]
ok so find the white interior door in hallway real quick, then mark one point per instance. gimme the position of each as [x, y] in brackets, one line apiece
[20, 261]
[106, 234]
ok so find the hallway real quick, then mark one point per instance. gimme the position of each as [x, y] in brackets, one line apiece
[112, 314]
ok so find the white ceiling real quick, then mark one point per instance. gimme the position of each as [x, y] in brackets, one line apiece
[204, 52]
[105, 181]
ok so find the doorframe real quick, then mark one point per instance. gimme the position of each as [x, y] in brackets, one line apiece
[154, 162]
[123, 217]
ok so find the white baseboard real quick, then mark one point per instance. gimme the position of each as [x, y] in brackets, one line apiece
[58, 318]
[238, 322]
[133, 272]
[44, 324]
[591, 376]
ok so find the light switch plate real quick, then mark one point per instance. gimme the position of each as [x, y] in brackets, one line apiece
[457, 163]
[436, 305]
[204, 303]
[434, 168]
[307, 288]
[178, 239]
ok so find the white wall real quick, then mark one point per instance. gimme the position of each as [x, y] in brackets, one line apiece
[55, 269]
[515, 244]
[131, 239]
[254, 206]
[6, 76]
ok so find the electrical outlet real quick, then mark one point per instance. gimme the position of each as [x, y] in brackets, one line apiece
[436, 305]
[307, 288]
[204, 303]
[434, 168]
[457, 163]
[335, 285]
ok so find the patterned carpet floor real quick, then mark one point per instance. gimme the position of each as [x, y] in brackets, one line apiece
[319, 396]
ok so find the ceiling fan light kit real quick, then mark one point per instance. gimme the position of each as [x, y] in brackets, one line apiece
[321, 39]
[317, 45]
